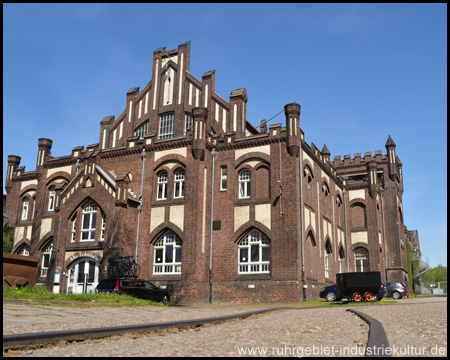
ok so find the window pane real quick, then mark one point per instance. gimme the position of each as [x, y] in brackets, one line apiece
[169, 253]
[86, 221]
[265, 254]
[91, 271]
[81, 272]
[255, 253]
[159, 256]
[178, 255]
[243, 255]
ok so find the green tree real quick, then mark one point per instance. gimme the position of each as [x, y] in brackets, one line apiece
[8, 238]
[436, 274]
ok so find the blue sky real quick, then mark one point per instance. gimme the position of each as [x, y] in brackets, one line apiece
[361, 72]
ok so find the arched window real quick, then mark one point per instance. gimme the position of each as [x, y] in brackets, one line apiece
[179, 184]
[254, 254]
[341, 259]
[167, 258]
[24, 250]
[307, 174]
[89, 222]
[326, 253]
[244, 184]
[25, 207]
[51, 199]
[162, 185]
[46, 254]
[73, 229]
[361, 257]
[142, 130]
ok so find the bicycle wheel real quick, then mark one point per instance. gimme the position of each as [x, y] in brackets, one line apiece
[135, 269]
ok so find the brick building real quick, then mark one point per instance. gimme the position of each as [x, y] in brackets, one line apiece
[181, 174]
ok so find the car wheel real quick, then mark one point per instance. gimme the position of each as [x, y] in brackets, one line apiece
[330, 296]
[396, 295]
[165, 300]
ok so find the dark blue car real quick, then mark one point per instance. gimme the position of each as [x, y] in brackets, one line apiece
[330, 293]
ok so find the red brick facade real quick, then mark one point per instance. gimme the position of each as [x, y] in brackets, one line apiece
[112, 198]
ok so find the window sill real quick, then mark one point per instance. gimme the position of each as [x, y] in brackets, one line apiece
[251, 201]
[165, 277]
[168, 202]
[252, 277]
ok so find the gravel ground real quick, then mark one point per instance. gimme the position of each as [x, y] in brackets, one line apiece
[415, 327]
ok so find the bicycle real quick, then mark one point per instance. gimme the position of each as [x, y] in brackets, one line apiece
[123, 267]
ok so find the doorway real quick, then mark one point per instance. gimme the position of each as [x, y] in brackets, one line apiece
[83, 276]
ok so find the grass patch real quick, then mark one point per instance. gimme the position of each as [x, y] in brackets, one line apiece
[41, 293]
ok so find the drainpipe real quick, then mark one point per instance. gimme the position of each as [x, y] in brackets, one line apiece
[346, 236]
[213, 154]
[302, 237]
[384, 239]
[139, 208]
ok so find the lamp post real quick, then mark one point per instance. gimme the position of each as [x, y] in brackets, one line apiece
[213, 154]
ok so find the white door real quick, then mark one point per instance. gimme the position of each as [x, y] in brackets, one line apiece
[83, 276]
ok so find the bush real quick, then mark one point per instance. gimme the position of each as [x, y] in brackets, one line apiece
[8, 237]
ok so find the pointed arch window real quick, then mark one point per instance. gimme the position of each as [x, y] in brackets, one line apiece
[254, 254]
[326, 256]
[89, 222]
[24, 250]
[341, 259]
[167, 255]
[25, 207]
[51, 199]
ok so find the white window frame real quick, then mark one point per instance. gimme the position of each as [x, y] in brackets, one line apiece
[89, 213]
[361, 257]
[223, 178]
[179, 184]
[102, 233]
[74, 230]
[51, 199]
[256, 240]
[188, 122]
[166, 126]
[161, 193]
[244, 184]
[142, 130]
[168, 245]
[25, 251]
[46, 255]
[25, 207]
[325, 260]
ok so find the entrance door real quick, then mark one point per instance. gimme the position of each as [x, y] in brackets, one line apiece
[83, 276]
